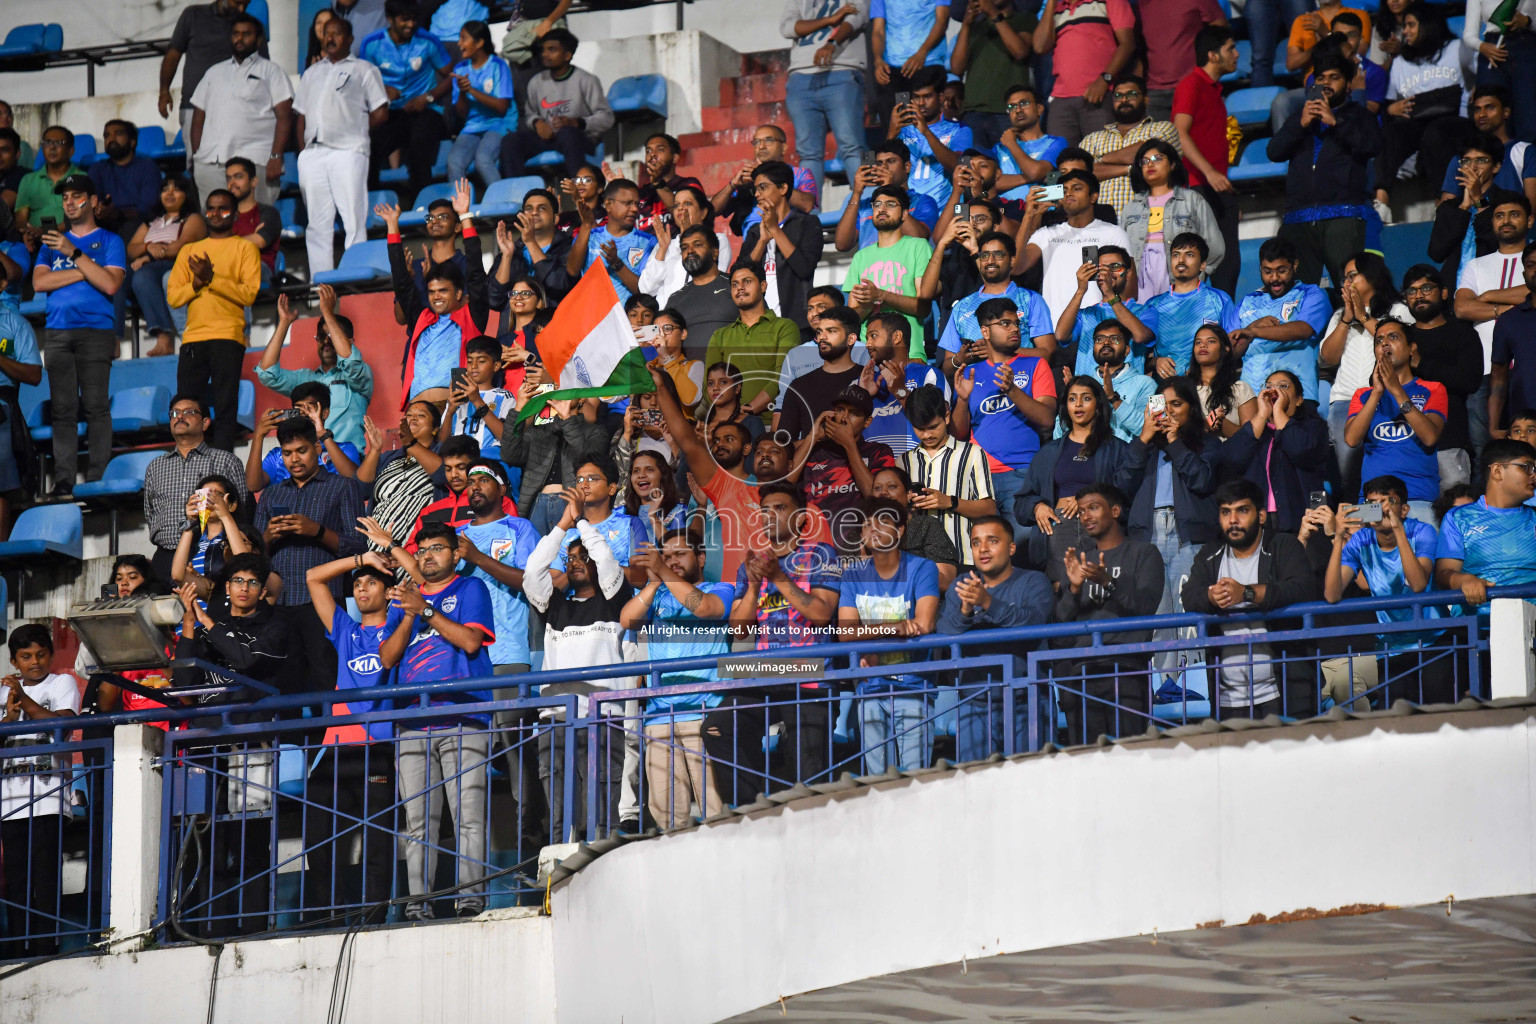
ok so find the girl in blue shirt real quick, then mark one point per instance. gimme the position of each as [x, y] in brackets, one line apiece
[482, 93]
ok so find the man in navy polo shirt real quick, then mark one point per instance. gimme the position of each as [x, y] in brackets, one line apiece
[81, 269]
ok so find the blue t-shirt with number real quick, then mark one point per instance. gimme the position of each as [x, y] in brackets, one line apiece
[928, 177]
[79, 305]
[1383, 572]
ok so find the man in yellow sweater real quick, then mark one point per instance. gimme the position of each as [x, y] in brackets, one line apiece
[217, 280]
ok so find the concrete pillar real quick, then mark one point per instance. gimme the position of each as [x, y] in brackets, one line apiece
[136, 807]
[287, 35]
[1512, 666]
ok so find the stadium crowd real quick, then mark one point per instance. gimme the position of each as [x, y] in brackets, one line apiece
[1034, 396]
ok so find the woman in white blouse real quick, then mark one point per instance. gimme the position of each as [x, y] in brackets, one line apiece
[1350, 344]
[1505, 54]
[1426, 93]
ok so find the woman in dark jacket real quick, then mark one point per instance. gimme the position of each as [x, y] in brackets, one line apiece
[1172, 508]
[1283, 449]
[1088, 452]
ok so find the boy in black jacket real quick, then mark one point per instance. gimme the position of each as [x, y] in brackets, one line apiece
[1246, 572]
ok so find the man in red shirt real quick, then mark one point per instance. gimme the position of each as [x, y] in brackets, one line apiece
[1200, 116]
[1092, 41]
[1169, 28]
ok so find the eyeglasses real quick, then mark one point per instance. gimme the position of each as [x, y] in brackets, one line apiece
[186, 414]
[1004, 322]
[55, 143]
[584, 179]
[992, 256]
[1112, 267]
[591, 478]
[1153, 158]
[1128, 94]
[668, 328]
[1421, 289]
[764, 140]
[244, 582]
[1011, 107]
[1528, 468]
[433, 549]
[1476, 161]
[431, 217]
[523, 293]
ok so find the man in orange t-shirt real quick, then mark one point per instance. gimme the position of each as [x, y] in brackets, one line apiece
[1310, 28]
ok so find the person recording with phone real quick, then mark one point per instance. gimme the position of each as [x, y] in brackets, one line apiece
[477, 408]
[1282, 449]
[311, 402]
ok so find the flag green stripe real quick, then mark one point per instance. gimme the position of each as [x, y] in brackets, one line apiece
[629, 377]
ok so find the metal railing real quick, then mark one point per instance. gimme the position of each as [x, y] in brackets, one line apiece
[274, 822]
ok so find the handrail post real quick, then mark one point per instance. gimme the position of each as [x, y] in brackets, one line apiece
[1512, 666]
[137, 806]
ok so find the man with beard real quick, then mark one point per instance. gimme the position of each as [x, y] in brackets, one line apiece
[1189, 304]
[1489, 109]
[737, 198]
[813, 393]
[531, 245]
[215, 278]
[1245, 572]
[256, 222]
[1444, 344]
[786, 241]
[1004, 403]
[243, 107]
[1124, 580]
[886, 275]
[889, 377]
[958, 274]
[1025, 153]
[1281, 324]
[835, 467]
[756, 343]
[961, 341]
[1124, 384]
[1058, 249]
[891, 164]
[806, 356]
[128, 184]
[442, 248]
[621, 246]
[1514, 333]
[341, 366]
[705, 298]
[1114, 146]
[1328, 143]
[1115, 276]
[1490, 286]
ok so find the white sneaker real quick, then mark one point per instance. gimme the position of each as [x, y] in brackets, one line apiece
[1383, 211]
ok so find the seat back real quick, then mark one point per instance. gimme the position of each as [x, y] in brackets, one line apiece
[151, 141]
[639, 93]
[141, 407]
[374, 221]
[430, 194]
[131, 466]
[511, 190]
[61, 525]
[144, 372]
[373, 254]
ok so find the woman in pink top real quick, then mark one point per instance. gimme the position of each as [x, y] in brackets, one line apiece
[152, 251]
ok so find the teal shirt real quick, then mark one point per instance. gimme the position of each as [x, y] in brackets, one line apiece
[351, 384]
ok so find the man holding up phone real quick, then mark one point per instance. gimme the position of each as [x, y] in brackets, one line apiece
[81, 269]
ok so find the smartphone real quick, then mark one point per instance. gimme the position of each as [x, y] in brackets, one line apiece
[652, 418]
[649, 334]
[1054, 193]
[1053, 178]
[49, 224]
[281, 510]
[544, 389]
[1315, 92]
[294, 414]
[458, 377]
[1368, 512]
[1090, 254]
[1157, 405]
[903, 98]
[1317, 499]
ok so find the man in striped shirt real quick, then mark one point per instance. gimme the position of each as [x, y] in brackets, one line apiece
[950, 477]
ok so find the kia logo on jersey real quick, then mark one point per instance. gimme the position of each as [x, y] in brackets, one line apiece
[1000, 402]
[366, 665]
[1394, 430]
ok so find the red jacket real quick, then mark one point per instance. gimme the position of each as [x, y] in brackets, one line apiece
[470, 317]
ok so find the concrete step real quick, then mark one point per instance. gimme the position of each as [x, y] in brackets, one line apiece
[744, 115]
[764, 62]
[765, 88]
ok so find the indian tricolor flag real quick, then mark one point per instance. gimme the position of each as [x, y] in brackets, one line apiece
[589, 349]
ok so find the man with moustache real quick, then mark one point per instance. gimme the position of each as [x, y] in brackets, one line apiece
[811, 394]
[889, 377]
[961, 341]
[1114, 146]
[1126, 387]
[243, 107]
[705, 298]
[1190, 303]
[1443, 344]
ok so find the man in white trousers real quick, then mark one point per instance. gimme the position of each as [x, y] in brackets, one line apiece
[339, 99]
[242, 107]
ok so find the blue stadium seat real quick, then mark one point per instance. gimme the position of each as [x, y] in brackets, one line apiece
[829, 218]
[35, 306]
[177, 150]
[123, 479]
[152, 142]
[402, 174]
[364, 264]
[85, 152]
[638, 96]
[135, 410]
[417, 216]
[1251, 106]
[505, 197]
[1455, 25]
[554, 159]
[32, 41]
[1255, 165]
[833, 168]
[44, 531]
[288, 184]
[245, 408]
[1403, 245]
[1281, 71]
[1244, 63]
[374, 221]
[293, 228]
[1248, 279]
[148, 371]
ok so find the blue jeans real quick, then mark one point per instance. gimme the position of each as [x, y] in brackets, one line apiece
[149, 292]
[1521, 67]
[1269, 21]
[1006, 487]
[480, 151]
[1477, 416]
[821, 100]
[546, 512]
[1178, 559]
[895, 729]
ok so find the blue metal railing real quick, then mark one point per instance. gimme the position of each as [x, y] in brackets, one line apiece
[266, 826]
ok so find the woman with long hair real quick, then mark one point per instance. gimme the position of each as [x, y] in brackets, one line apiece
[1282, 449]
[1368, 293]
[1387, 32]
[1172, 508]
[152, 250]
[664, 272]
[651, 496]
[526, 317]
[1085, 451]
[482, 93]
[323, 17]
[216, 530]
[1425, 92]
[1163, 207]
[1226, 401]
[401, 477]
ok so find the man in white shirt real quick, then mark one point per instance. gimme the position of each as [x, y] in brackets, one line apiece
[1060, 247]
[1489, 286]
[339, 99]
[242, 107]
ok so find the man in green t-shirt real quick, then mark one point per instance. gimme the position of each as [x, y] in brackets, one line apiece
[886, 275]
[34, 196]
[992, 52]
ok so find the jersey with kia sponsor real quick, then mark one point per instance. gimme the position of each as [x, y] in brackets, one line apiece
[1391, 446]
[358, 667]
[429, 658]
[1003, 432]
[633, 248]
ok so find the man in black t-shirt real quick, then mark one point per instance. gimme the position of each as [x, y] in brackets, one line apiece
[1449, 352]
[811, 394]
[705, 299]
